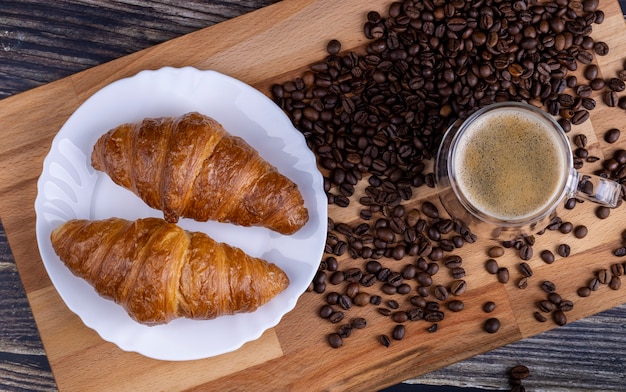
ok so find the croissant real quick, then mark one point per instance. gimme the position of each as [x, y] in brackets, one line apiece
[158, 271]
[190, 166]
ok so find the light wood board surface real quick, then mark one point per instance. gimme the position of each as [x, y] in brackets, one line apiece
[260, 48]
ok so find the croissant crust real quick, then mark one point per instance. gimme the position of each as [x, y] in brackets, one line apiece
[158, 271]
[190, 166]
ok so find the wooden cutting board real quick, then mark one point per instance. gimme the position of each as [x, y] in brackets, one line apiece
[271, 45]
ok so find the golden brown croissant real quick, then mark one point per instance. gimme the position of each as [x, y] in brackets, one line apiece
[158, 271]
[189, 166]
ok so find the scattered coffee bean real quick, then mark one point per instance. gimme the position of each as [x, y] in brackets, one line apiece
[603, 276]
[566, 305]
[489, 306]
[620, 252]
[555, 298]
[615, 283]
[492, 266]
[456, 305]
[547, 256]
[503, 275]
[546, 306]
[559, 317]
[603, 212]
[525, 269]
[526, 252]
[563, 250]
[612, 135]
[580, 231]
[519, 372]
[492, 325]
[540, 317]
[583, 291]
[594, 284]
[398, 332]
[617, 269]
[495, 251]
[334, 340]
[384, 340]
[433, 328]
[358, 323]
[522, 283]
[548, 286]
[458, 287]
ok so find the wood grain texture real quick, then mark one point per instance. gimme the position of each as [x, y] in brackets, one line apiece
[72, 346]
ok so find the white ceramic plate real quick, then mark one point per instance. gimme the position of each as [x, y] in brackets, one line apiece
[70, 188]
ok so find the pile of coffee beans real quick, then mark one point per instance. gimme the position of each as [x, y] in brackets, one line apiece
[375, 118]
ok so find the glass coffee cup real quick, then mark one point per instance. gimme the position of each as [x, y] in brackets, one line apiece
[507, 169]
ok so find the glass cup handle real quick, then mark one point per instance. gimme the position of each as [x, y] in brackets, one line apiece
[596, 189]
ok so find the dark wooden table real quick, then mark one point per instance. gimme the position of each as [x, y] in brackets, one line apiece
[42, 41]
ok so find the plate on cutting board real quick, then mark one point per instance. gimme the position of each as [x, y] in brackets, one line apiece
[70, 188]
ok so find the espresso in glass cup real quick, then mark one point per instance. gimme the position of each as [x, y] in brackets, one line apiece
[508, 168]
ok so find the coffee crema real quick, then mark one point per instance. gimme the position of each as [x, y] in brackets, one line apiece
[510, 164]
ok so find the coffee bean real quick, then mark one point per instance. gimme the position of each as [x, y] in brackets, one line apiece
[616, 84]
[594, 284]
[455, 305]
[503, 275]
[326, 311]
[580, 231]
[519, 372]
[492, 266]
[440, 292]
[334, 340]
[430, 210]
[540, 317]
[546, 306]
[492, 325]
[620, 252]
[336, 317]
[525, 269]
[591, 72]
[547, 256]
[621, 102]
[495, 251]
[548, 286]
[617, 269]
[612, 135]
[384, 340]
[398, 332]
[559, 317]
[526, 252]
[615, 283]
[564, 250]
[566, 305]
[458, 287]
[433, 328]
[358, 323]
[333, 47]
[603, 276]
[610, 98]
[583, 291]
[603, 212]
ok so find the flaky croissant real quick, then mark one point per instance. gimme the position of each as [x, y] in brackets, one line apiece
[158, 271]
[189, 166]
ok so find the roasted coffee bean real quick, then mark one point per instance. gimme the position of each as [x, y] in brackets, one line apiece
[358, 323]
[594, 284]
[335, 340]
[503, 275]
[525, 269]
[615, 283]
[458, 272]
[522, 283]
[491, 266]
[603, 276]
[336, 317]
[540, 317]
[361, 299]
[373, 266]
[453, 261]
[352, 289]
[434, 316]
[455, 305]
[580, 231]
[566, 227]
[400, 317]
[617, 269]
[424, 279]
[546, 306]
[566, 305]
[376, 300]
[547, 256]
[430, 210]
[519, 372]
[384, 340]
[563, 250]
[398, 332]
[458, 287]
[580, 116]
[548, 286]
[526, 252]
[603, 212]
[492, 325]
[555, 298]
[345, 331]
[621, 102]
[620, 252]
[333, 47]
[559, 317]
[601, 48]
[337, 277]
[616, 84]
[326, 311]
[610, 98]
[583, 291]
[612, 135]
[495, 251]
[597, 84]
[440, 292]
[591, 72]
